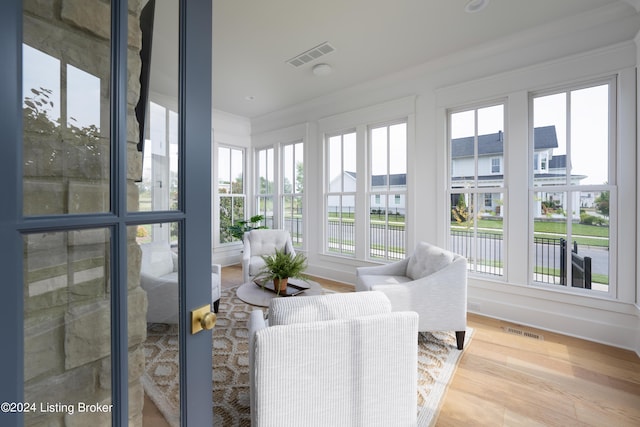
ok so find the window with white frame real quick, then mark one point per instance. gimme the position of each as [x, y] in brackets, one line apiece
[496, 165]
[387, 191]
[292, 190]
[265, 185]
[570, 208]
[231, 191]
[340, 197]
[476, 139]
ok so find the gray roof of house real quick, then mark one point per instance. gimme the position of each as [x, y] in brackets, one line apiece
[558, 162]
[380, 180]
[544, 137]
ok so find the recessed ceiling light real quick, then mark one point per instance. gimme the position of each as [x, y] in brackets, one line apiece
[250, 98]
[322, 69]
[474, 6]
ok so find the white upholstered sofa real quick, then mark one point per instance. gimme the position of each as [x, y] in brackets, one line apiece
[261, 242]
[333, 360]
[159, 277]
[432, 282]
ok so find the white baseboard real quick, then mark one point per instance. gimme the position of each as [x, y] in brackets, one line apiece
[617, 324]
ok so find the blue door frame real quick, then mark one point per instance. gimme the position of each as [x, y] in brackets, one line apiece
[193, 216]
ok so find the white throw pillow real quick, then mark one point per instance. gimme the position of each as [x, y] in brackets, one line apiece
[427, 259]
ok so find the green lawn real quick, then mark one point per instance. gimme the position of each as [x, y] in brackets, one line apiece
[583, 234]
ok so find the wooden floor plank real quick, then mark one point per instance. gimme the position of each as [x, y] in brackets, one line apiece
[556, 381]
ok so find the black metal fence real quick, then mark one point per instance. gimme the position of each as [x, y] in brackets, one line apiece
[550, 257]
[387, 241]
[488, 257]
[548, 260]
[295, 228]
[341, 237]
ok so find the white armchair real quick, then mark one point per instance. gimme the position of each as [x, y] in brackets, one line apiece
[159, 277]
[333, 360]
[432, 282]
[260, 242]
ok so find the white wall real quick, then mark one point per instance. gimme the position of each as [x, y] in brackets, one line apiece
[581, 48]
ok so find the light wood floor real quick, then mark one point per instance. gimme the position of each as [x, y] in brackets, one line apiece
[509, 379]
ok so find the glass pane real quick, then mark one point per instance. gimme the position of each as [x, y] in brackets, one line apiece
[153, 97]
[489, 236]
[65, 85]
[591, 237]
[462, 149]
[550, 237]
[379, 160]
[462, 227]
[398, 156]
[590, 135]
[67, 329]
[349, 160]
[265, 208]
[378, 226]
[335, 164]
[491, 146]
[224, 170]
[159, 185]
[288, 169]
[340, 224]
[265, 171]
[153, 321]
[237, 171]
[299, 166]
[293, 218]
[549, 140]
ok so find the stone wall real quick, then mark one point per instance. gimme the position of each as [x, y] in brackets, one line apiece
[67, 286]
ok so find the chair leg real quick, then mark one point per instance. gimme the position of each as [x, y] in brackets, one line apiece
[460, 339]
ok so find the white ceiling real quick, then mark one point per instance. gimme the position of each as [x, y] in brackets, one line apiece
[253, 39]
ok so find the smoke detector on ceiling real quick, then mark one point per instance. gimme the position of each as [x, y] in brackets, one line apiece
[321, 69]
[474, 6]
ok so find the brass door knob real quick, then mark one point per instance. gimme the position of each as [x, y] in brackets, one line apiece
[208, 321]
[202, 319]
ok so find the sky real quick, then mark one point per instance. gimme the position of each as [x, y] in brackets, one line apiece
[82, 89]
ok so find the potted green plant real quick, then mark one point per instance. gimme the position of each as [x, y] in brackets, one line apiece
[238, 229]
[281, 266]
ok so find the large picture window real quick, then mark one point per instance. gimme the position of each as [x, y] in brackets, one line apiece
[477, 187]
[573, 182]
[231, 192]
[387, 191]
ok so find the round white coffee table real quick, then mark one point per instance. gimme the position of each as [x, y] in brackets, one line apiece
[253, 294]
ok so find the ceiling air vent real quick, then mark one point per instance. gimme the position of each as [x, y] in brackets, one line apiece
[311, 55]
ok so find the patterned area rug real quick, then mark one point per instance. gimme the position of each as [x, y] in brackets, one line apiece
[437, 360]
